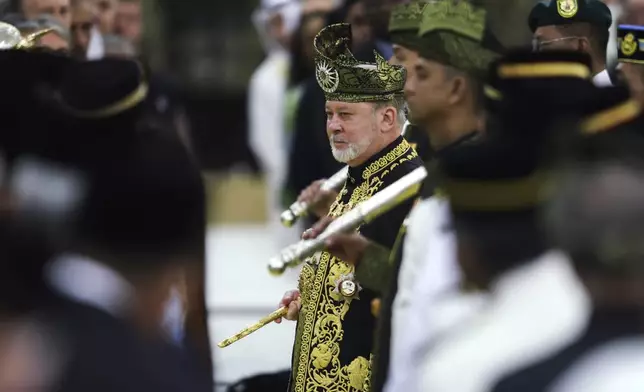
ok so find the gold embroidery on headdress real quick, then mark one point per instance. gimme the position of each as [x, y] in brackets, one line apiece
[343, 78]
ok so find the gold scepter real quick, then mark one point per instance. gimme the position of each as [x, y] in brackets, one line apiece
[247, 331]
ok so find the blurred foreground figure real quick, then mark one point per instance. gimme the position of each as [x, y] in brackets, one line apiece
[536, 303]
[139, 230]
[31, 355]
[443, 90]
[597, 217]
[94, 322]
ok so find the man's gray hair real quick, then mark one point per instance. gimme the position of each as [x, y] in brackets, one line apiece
[398, 103]
[598, 211]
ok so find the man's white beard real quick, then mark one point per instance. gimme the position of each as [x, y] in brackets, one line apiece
[351, 152]
[348, 154]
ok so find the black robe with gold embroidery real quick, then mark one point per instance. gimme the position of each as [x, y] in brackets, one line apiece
[334, 336]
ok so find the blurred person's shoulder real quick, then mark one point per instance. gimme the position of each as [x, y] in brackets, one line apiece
[104, 353]
[616, 366]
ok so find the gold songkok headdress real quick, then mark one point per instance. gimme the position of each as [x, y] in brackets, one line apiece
[343, 78]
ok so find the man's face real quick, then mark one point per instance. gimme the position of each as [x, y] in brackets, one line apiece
[407, 58]
[351, 128]
[60, 9]
[427, 90]
[360, 28]
[82, 22]
[53, 41]
[106, 11]
[128, 20]
[551, 38]
[634, 76]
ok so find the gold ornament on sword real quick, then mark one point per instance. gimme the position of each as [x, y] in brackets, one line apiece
[11, 38]
[300, 209]
[247, 331]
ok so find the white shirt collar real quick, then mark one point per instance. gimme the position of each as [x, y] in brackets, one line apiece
[602, 79]
[90, 282]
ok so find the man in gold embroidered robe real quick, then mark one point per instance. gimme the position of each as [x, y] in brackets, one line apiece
[365, 115]
[443, 89]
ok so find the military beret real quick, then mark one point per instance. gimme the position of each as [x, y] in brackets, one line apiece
[499, 175]
[101, 89]
[609, 109]
[94, 104]
[610, 125]
[630, 44]
[555, 82]
[561, 12]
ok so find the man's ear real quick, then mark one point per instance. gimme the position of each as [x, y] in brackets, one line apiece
[584, 45]
[457, 89]
[389, 118]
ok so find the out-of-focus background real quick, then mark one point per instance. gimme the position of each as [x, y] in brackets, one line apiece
[237, 78]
